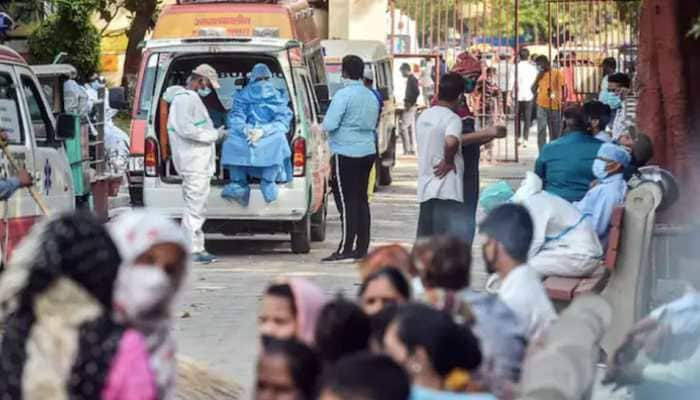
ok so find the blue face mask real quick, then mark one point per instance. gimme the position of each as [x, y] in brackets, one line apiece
[600, 169]
[204, 92]
[612, 100]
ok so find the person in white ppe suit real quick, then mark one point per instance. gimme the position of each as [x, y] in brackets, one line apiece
[564, 241]
[193, 139]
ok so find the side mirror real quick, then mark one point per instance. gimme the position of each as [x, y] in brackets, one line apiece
[68, 126]
[117, 99]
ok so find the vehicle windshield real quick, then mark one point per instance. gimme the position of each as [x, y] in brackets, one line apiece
[335, 78]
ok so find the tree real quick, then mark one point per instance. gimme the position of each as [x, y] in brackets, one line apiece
[143, 18]
[69, 30]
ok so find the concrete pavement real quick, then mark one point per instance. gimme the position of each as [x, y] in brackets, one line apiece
[217, 323]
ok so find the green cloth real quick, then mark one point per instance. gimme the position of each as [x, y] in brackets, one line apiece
[566, 165]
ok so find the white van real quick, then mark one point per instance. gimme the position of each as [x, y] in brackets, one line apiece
[301, 207]
[36, 143]
[376, 58]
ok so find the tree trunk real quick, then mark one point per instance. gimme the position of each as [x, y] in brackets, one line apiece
[143, 17]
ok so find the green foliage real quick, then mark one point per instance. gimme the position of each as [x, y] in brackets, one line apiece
[695, 30]
[69, 30]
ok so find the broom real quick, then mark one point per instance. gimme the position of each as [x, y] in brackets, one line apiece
[196, 382]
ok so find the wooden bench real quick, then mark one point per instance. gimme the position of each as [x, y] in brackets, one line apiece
[565, 289]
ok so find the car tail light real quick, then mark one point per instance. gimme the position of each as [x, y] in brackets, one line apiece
[299, 157]
[150, 161]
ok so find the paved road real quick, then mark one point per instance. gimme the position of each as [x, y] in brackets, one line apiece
[217, 323]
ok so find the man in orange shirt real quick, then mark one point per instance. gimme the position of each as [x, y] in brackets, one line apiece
[549, 88]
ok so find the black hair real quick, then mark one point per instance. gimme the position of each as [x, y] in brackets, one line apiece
[598, 110]
[368, 377]
[621, 79]
[449, 346]
[642, 150]
[342, 329]
[304, 366]
[284, 291]
[380, 322]
[353, 67]
[451, 87]
[574, 119]
[512, 226]
[610, 62]
[542, 59]
[450, 265]
[405, 67]
[524, 54]
[394, 275]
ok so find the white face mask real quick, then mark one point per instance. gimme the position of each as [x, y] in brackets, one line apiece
[417, 286]
[140, 290]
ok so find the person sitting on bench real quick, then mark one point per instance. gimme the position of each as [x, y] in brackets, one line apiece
[610, 190]
[257, 146]
[564, 242]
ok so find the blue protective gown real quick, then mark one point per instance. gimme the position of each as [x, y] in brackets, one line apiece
[258, 105]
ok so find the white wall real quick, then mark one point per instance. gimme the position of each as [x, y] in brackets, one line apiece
[357, 19]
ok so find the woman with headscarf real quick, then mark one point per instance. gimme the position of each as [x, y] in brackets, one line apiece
[154, 267]
[60, 339]
[154, 254]
[290, 309]
[257, 146]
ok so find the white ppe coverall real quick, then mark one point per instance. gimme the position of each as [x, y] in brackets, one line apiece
[193, 142]
[564, 242]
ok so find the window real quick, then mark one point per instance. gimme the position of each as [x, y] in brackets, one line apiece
[148, 84]
[301, 87]
[39, 117]
[311, 95]
[9, 109]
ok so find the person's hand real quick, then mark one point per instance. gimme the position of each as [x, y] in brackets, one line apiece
[25, 180]
[500, 131]
[443, 168]
[4, 138]
[223, 133]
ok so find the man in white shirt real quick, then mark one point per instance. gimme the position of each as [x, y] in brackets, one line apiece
[508, 232]
[527, 75]
[564, 242]
[440, 164]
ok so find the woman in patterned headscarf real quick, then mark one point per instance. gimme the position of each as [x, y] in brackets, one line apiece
[56, 301]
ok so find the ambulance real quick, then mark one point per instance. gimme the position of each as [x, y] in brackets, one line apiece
[378, 61]
[36, 144]
[233, 36]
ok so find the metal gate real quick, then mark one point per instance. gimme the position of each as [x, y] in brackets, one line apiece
[575, 35]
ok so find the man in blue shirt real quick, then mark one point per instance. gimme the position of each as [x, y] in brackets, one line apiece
[599, 202]
[566, 164]
[350, 123]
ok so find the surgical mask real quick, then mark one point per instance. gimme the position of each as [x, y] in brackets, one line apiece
[540, 68]
[469, 85]
[600, 169]
[204, 92]
[612, 100]
[141, 290]
[417, 287]
[97, 85]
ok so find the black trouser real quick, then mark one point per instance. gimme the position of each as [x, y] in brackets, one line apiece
[442, 217]
[349, 181]
[525, 111]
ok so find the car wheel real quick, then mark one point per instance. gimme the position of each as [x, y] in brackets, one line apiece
[318, 223]
[301, 236]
